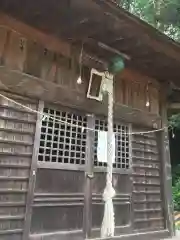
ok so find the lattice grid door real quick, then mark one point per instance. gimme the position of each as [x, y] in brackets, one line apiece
[59, 192]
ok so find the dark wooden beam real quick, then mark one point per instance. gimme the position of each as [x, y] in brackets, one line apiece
[83, 31]
[24, 84]
[174, 106]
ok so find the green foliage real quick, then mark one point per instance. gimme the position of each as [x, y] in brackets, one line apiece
[162, 14]
[176, 195]
[174, 121]
[175, 174]
[177, 227]
[176, 187]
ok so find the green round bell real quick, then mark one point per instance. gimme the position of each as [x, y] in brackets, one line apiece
[116, 65]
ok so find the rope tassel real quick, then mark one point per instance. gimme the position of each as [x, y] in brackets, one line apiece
[107, 229]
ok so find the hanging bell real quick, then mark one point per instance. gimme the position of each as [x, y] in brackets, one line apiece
[116, 65]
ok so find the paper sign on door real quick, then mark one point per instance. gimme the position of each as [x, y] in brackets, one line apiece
[102, 147]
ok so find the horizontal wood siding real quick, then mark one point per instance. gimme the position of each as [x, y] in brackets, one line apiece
[16, 145]
[147, 195]
[30, 69]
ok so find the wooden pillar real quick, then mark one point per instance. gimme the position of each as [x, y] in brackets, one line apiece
[87, 215]
[166, 186]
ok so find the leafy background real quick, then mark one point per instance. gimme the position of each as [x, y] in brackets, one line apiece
[162, 14]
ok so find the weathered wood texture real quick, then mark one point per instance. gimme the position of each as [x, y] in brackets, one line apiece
[32, 175]
[17, 128]
[77, 21]
[46, 40]
[135, 90]
[58, 202]
[147, 191]
[59, 192]
[50, 76]
[32, 69]
[61, 180]
[166, 174]
[87, 216]
[62, 187]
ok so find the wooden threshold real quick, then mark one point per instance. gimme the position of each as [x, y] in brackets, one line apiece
[77, 235]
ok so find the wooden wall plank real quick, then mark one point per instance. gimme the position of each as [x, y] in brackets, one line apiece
[63, 72]
[16, 153]
[15, 52]
[3, 39]
[154, 100]
[48, 70]
[147, 188]
[33, 34]
[33, 59]
[119, 91]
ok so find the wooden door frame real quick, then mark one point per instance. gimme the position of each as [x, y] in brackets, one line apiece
[32, 175]
[35, 165]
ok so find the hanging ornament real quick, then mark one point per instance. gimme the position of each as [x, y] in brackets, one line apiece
[116, 65]
[173, 134]
[79, 80]
[147, 96]
[147, 104]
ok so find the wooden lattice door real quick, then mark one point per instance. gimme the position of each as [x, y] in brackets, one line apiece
[67, 194]
[58, 201]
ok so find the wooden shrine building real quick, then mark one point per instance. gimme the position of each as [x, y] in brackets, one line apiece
[51, 180]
